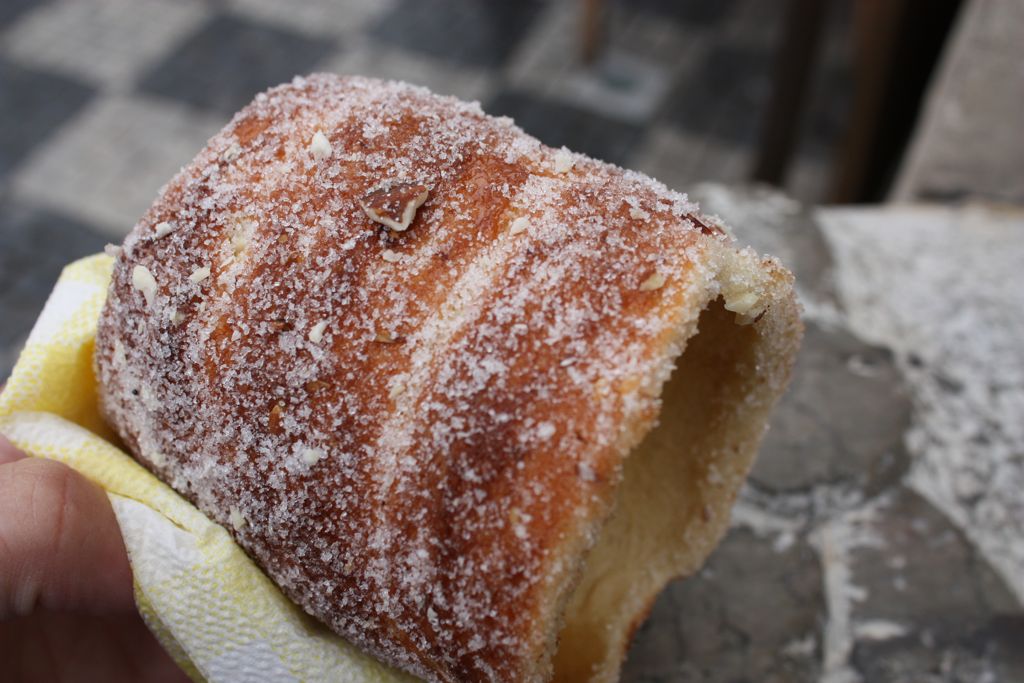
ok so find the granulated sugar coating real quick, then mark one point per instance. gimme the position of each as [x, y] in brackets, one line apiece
[416, 434]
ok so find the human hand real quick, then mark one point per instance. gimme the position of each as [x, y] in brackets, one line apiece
[67, 612]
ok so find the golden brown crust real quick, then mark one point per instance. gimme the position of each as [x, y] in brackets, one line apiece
[417, 434]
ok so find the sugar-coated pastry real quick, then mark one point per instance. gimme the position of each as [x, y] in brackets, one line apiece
[469, 400]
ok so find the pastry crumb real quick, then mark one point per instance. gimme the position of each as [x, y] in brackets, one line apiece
[563, 161]
[743, 303]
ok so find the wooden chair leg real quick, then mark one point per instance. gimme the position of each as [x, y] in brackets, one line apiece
[796, 57]
[876, 30]
[593, 30]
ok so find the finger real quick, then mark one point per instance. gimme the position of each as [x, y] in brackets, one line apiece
[60, 546]
[8, 452]
[61, 646]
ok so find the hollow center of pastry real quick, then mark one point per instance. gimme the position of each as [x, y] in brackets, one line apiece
[674, 499]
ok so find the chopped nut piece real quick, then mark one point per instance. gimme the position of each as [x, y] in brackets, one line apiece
[704, 228]
[638, 214]
[585, 472]
[144, 281]
[232, 152]
[119, 355]
[176, 316]
[395, 206]
[519, 225]
[320, 147]
[386, 338]
[275, 418]
[391, 256]
[396, 391]
[157, 458]
[236, 518]
[312, 456]
[163, 229]
[563, 161]
[199, 274]
[240, 236]
[649, 388]
[655, 281]
[316, 334]
[519, 520]
[112, 250]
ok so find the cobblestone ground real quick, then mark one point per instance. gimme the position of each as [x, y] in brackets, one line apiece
[881, 535]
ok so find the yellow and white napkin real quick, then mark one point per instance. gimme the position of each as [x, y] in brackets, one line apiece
[217, 614]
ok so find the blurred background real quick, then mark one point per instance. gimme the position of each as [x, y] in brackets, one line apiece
[794, 111]
[101, 101]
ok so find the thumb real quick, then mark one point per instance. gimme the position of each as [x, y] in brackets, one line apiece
[60, 545]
